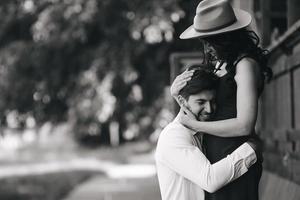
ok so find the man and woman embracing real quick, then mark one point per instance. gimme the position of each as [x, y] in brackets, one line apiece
[211, 145]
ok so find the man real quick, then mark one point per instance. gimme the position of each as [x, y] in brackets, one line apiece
[183, 170]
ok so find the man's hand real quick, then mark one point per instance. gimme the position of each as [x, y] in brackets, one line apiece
[257, 144]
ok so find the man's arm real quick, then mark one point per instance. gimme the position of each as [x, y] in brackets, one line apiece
[177, 152]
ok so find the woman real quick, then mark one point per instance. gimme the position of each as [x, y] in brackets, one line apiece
[241, 66]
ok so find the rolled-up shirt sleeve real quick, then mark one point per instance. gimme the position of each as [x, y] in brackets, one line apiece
[176, 151]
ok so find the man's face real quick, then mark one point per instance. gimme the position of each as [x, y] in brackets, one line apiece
[203, 104]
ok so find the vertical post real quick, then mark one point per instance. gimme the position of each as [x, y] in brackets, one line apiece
[293, 8]
[246, 5]
[114, 134]
[265, 21]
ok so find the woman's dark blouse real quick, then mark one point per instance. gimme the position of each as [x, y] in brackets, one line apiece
[217, 148]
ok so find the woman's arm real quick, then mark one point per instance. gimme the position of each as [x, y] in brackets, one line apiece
[247, 79]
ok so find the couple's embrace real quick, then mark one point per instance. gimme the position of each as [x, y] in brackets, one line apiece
[211, 145]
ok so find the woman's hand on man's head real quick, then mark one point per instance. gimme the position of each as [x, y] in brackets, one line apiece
[180, 81]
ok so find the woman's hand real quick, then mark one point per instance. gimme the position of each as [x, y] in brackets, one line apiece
[180, 81]
[186, 118]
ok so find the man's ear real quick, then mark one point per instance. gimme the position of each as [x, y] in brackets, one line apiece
[181, 101]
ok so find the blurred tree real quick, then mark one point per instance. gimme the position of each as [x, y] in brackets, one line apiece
[88, 61]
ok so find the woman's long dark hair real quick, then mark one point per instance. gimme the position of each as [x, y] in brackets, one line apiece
[231, 46]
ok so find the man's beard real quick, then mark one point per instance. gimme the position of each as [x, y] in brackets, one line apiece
[202, 117]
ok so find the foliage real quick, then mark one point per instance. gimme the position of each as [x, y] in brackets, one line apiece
[88, 61]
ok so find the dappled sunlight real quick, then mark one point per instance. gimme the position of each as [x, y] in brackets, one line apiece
[132, 171]
[10, 142]
[82, 92]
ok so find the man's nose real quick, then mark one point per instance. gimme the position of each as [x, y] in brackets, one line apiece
[208, 107]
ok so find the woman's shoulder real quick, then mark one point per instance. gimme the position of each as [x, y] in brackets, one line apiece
[247, 63]
[248, 67]
[245, 59]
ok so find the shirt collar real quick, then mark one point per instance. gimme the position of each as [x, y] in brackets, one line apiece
[176, 120]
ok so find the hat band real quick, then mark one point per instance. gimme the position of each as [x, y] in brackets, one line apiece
[216, 27]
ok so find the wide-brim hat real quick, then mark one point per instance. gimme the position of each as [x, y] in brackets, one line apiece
[215, 17]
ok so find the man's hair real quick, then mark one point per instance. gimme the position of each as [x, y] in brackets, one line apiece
[202, 79]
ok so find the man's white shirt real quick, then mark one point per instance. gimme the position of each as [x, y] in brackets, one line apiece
[183, 170]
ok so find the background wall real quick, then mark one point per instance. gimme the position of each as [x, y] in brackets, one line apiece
[280, 121]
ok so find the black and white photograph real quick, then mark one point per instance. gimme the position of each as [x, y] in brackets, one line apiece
[149, 100]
